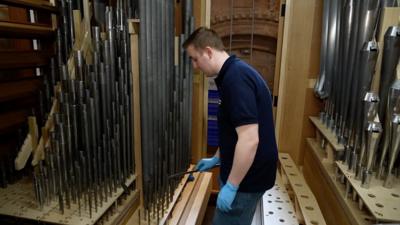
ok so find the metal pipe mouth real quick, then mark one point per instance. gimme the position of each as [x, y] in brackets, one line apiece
[370, 46]
[393, 31]
[396, 119]
[374, 127]
[371, 97]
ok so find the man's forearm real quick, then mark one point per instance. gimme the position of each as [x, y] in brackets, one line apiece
[245, 151]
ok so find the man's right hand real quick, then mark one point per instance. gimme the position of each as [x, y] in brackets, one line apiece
[207, 163]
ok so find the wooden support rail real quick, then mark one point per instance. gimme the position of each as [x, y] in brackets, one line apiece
[24, 59]
[14, 90]
[41, 5]
[306, 205]
[12, 120]
[24, 30]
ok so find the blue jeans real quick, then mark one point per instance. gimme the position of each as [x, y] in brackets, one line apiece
[243, 208]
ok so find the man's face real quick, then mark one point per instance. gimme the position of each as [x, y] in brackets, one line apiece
[201, 59]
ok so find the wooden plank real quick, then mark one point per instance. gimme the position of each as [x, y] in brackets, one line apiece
[38, 152]
[328, 134]
[137, 140]
[182, 203]
[277, 207]
[198, 134]
[11, 121]
[24, 59]
[24, 30]
[18, 89]
[200, 94]
[176, 197]
[299, 37]
[77, 26]
[307, 203]
[200, 200]
[383, 203]
[40, 5]
[21, 196]
[278, 58]
[313, 107]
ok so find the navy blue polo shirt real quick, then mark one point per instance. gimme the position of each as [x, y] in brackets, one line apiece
[246, 99]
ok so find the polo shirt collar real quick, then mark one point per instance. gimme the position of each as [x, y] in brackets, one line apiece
[223, 70]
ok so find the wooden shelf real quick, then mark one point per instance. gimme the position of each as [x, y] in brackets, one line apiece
[41, 5]
[332, 148]
[24, 30]
[306, 205]
[276, 205]
[15, 90]
[19, 200]
[12, 120]
[350, 208]
[24, 59]
[383, 203]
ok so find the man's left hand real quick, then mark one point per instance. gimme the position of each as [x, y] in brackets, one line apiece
[226, 197]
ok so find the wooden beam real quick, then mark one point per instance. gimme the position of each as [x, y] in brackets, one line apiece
[12, 120]
[23, 59]
[24, 30]
[19, 89]
[40, 5]
[190, 200]
[275, 89]
[176, 197]
[199, 201]
[300, 51]
[137, 140]
[306, 205]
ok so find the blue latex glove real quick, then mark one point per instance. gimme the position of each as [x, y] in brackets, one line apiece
[207, 163]
[226, 196]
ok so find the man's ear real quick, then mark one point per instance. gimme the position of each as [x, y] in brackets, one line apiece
[208, 50]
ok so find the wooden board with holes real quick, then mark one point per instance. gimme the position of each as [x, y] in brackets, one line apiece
[330, 192]
[328, 134]
[277, 208]
[19, 200]
[383, 203]
[303, 195]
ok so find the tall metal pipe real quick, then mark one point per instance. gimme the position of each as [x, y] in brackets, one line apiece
[392, 107]
[394, 149]
[374, 131]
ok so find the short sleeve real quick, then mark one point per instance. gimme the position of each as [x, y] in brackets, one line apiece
[241, 102]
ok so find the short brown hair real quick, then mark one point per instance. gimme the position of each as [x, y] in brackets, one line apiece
[203, 37]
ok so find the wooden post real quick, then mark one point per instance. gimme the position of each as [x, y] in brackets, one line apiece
[299, 66]
[137, 140]
[278, 58]
[200, 92]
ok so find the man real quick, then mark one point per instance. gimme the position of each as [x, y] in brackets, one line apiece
[247, 151]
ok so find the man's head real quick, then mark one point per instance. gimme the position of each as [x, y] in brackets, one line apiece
[206, 50]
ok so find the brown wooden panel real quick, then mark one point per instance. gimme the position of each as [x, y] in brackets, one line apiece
[297, 52]
[27, 103]
[14, 90]
[19, 15]
[331, 209]
[24, 30]
[30, 4]
[12, 120]
[23, 59]
[15, 75]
